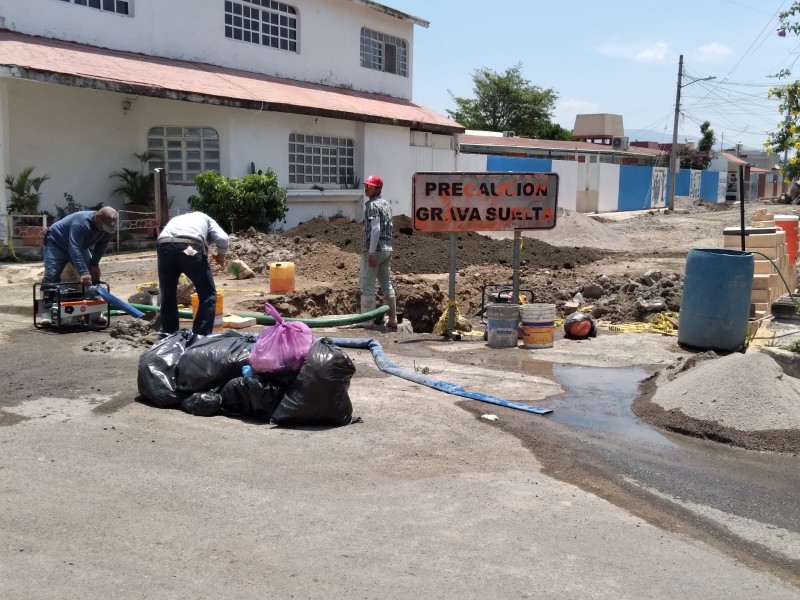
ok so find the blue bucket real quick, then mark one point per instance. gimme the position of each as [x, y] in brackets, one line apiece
[715, 305]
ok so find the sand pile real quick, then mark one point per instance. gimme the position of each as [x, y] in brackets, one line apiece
[741, 399]
[576, 230]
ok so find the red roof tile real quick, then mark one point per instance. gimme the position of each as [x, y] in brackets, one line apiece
[733, 158]
[79, 65]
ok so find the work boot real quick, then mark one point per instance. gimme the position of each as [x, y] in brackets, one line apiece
[367, 305]
[392, 302]
[100, 319]
[44, 322]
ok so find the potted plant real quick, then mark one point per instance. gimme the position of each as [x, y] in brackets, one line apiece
[25, 198]
[137, 189]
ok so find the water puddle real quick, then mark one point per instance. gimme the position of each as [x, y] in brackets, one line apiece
[599, 399]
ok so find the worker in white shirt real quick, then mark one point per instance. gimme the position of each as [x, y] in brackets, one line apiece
[183, 249]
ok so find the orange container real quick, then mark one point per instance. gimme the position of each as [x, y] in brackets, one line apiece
[281, 277]
[218, 314]
[789, 223]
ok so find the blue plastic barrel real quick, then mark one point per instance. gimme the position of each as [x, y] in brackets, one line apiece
[716, 299]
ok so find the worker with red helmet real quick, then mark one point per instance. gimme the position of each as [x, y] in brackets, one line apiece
[377, 257]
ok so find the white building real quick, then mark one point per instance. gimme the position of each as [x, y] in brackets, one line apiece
[313, 89]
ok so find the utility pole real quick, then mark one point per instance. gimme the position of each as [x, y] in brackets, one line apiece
[673, 155]
[673, 152]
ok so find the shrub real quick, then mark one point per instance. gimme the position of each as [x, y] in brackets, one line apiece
[256, 200]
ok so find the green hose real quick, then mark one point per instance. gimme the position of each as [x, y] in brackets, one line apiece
[268, 320]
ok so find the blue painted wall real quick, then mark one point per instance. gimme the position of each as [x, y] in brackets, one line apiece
[634, 187]
[683, 182]
[709, 185]
[503, 164]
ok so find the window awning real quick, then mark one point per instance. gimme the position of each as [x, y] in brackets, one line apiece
[68, 63]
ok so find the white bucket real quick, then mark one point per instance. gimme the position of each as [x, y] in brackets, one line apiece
[538, 325]
[502, 325]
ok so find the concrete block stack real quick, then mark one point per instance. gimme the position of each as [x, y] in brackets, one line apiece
[769, 241]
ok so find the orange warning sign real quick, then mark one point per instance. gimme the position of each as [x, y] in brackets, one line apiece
[450, 202]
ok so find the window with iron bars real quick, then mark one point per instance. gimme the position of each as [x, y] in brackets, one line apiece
[186, 151]
[263, 22]
[121, 7]
[321, 159]
[383, 52]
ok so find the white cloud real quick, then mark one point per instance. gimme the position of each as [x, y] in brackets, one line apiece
[638, 51]
[711, 53]
[566, 111]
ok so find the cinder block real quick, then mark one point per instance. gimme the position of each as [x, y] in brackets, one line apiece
[762, 266]
[753, 240]
[765, 282]
[768, 252]
[760, 297]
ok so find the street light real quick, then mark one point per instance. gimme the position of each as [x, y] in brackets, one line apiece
[673, 154]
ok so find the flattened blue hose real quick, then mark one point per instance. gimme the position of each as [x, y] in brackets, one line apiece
[385, 365]
[114, 301]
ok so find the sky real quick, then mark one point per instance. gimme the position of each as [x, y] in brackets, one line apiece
[615, 56]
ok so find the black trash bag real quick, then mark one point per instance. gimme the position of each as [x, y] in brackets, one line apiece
[319, 394]
[156, 376]
[202, 404]
[213, 360]
[579, 326]
[252, 397]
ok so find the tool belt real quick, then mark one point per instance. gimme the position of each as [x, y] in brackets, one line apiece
[183, 240]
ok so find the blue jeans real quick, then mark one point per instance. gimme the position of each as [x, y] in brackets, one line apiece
[172, 262]
[56, 260]
[381, 272]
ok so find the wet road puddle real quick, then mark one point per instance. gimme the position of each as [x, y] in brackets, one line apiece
[599, 399]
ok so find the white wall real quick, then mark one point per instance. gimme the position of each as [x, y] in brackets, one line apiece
[387, 153]
[471, 163]
[193, 30]
[4, 154]
[80, 136]
[608, 188]
[567, 183]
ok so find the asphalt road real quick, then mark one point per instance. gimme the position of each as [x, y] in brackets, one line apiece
[106, 497]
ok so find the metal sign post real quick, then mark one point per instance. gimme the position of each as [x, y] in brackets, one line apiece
[461, 202]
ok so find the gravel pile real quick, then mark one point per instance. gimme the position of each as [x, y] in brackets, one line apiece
[748, 392]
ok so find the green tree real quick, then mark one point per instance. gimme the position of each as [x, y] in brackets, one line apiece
[700, 158]
[786, 136]
[507, 102]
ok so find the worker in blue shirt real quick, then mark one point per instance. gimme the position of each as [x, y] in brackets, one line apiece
[80, 238]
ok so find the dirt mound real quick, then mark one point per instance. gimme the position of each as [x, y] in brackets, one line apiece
[424, 253]
[326, 253]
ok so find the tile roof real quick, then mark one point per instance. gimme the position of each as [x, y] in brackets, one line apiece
[559, 145]
[733, 158]
[70, 63]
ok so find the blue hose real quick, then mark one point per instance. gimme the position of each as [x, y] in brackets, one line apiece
[114, 301]
[385, 365]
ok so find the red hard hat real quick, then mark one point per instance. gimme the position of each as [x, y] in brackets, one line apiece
[374, 181]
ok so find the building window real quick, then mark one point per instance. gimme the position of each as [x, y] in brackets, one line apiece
[184, 151]
[121, 7]
[383, 52]
[321, 160]
[263, 22]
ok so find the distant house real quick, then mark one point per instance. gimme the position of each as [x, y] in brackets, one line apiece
[320, 91]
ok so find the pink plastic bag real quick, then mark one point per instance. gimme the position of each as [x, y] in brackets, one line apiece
[281, 348]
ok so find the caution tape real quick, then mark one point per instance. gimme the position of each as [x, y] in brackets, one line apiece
[441, 325]
[663, 323]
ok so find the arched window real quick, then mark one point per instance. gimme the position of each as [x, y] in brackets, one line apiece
[186, 151]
